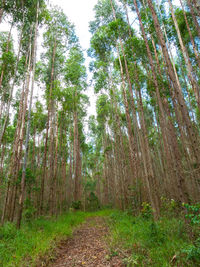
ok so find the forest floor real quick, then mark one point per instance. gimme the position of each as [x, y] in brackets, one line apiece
[88, 246]
[102, 238]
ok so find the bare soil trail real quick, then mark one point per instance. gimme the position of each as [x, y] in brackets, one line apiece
[87, 247]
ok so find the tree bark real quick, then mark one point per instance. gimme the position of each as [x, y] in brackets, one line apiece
[186, 58]
[190, 4]
[2, 9]
[192, 134]
[23, 180]
[2, 132]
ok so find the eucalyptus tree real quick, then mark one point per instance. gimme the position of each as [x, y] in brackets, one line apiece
[27, 19]
[148, 32]
[193, 11]
[75, 80]
[153, 84]
[58, 36]
[7, 64]
[17, 8]
[188, 31]
[156, 83]
[23, 19]
[23, 179]
[144, 141]
[114, 34]
[183, 108]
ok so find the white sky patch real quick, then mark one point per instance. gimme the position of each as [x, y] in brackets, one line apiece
[80, 13]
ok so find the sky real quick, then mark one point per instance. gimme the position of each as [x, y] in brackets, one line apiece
[79, 12]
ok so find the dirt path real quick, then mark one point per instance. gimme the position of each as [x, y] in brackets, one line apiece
[87, 247]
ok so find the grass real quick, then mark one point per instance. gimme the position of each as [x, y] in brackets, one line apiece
[141, 241]
[159, 244]
[37, 239]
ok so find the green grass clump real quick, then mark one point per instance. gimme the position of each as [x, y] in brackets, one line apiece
[35, 239]
[149, 243]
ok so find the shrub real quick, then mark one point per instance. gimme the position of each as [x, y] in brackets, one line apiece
[193, 213]
[8, 231]
[76, 205]
[146, 211]
[193, 251]
[93, 202]
[193, 216]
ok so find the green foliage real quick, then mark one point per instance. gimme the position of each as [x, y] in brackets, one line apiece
[8, 231]
[35, 239]
[30, 177]
[38, 239]
[193, 213]
[192, 252]
[182, 27]
[150, 243]
[92, 202]
[75, 71]
[29, 210]
[169, 207]
[102, 107]
[76, 205]
[146, 211]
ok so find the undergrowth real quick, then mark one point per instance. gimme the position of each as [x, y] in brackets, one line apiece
[170, 241]
[163, 243]
[37, 239]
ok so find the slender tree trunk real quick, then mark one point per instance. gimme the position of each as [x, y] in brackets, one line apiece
[54, 173]
[3, 150]
[2, 132]
[44, 174]
[77, 159]
[70, 182]
[5, 203]
[191, 6]
[133, 147]
[180, 183]
[196, 53]
[9, 205]
[7, 48]
[2, 9]
[186, 58]
[192, 134]
[19, 134]
[22, 192]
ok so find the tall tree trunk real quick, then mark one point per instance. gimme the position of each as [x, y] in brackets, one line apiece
[23, 180]
[53, 167]
[2, 9]
[2, 132]
[9, 204]
[44, 174]
[7, 48]
[186, 58]
[192, 134]
[70, 181]
[196, 53]
[77, 158]
[191, 6]
[19, 134]
[133, 147]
